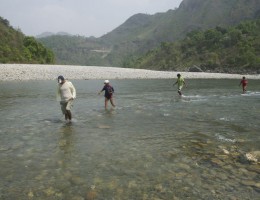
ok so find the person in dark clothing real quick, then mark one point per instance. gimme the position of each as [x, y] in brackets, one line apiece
[109, 90]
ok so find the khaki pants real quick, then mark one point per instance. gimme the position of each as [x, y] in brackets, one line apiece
[66, 106]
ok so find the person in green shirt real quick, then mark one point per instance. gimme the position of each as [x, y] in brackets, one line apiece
[180, 81]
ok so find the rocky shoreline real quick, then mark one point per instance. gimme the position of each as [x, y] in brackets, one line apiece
[25, 72]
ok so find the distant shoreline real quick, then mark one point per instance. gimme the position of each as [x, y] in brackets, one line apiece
[26, 72]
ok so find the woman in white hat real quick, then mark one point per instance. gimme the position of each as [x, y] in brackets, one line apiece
[109, 90]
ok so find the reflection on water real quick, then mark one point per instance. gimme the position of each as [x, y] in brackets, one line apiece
[153, 145]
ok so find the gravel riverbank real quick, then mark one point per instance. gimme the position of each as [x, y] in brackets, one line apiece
[23, 72]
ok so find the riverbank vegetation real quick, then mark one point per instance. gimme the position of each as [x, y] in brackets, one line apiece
[232, 49]
[15, 47]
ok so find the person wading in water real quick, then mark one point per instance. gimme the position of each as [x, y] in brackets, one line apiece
[180, 81]
[109, 90]
[66, 93]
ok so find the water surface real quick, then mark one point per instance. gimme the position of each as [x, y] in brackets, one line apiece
[153, 145]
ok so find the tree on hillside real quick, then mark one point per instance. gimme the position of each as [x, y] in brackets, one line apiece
[15, 47]
[233, 49]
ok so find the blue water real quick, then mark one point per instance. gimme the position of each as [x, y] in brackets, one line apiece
[153, 145]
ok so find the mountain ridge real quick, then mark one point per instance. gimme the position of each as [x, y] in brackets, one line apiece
[141, 32]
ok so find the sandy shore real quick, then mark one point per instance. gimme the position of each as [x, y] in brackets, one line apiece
[22, 72]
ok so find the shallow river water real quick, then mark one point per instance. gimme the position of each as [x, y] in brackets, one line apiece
[153, 145]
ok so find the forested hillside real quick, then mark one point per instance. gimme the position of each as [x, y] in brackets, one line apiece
[233, 49]
[142, 32]
[77, 50]
[15, 47]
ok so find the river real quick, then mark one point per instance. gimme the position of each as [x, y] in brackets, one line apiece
[153, 145]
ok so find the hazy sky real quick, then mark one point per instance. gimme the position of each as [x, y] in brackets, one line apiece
[77, 17]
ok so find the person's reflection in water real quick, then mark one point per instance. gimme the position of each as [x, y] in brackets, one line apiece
[66, 145]
[110, 112]
[68, 173]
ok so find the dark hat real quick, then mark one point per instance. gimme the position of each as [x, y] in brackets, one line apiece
[61, 78]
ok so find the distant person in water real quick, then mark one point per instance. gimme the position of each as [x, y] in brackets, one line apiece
[66, 93]
[244, 83]
[109, 90]
[180, 81]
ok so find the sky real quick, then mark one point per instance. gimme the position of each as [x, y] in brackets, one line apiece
[77, 17]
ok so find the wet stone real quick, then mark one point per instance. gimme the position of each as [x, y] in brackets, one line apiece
[257, 185]
[253, 156]
[76, 180]
[104, 127]
[77, 198]
[222, 176]
[251, 183]
[183, 166]
[217, 161]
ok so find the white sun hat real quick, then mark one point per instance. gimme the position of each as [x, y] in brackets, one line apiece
[106, 81]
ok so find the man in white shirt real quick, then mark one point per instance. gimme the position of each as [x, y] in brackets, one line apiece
[66, 93]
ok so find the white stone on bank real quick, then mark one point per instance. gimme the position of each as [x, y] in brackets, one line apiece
[23, 72]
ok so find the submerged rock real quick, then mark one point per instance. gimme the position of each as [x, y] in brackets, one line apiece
[251, 183]
[91, 195]
[253, 156]
[49, 191]
[30, 194]
[225, 151]
[104, 127]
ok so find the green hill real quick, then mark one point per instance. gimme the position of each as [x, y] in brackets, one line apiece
[76, 50]
[141, 32]
[233, 49]
[15, 47]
